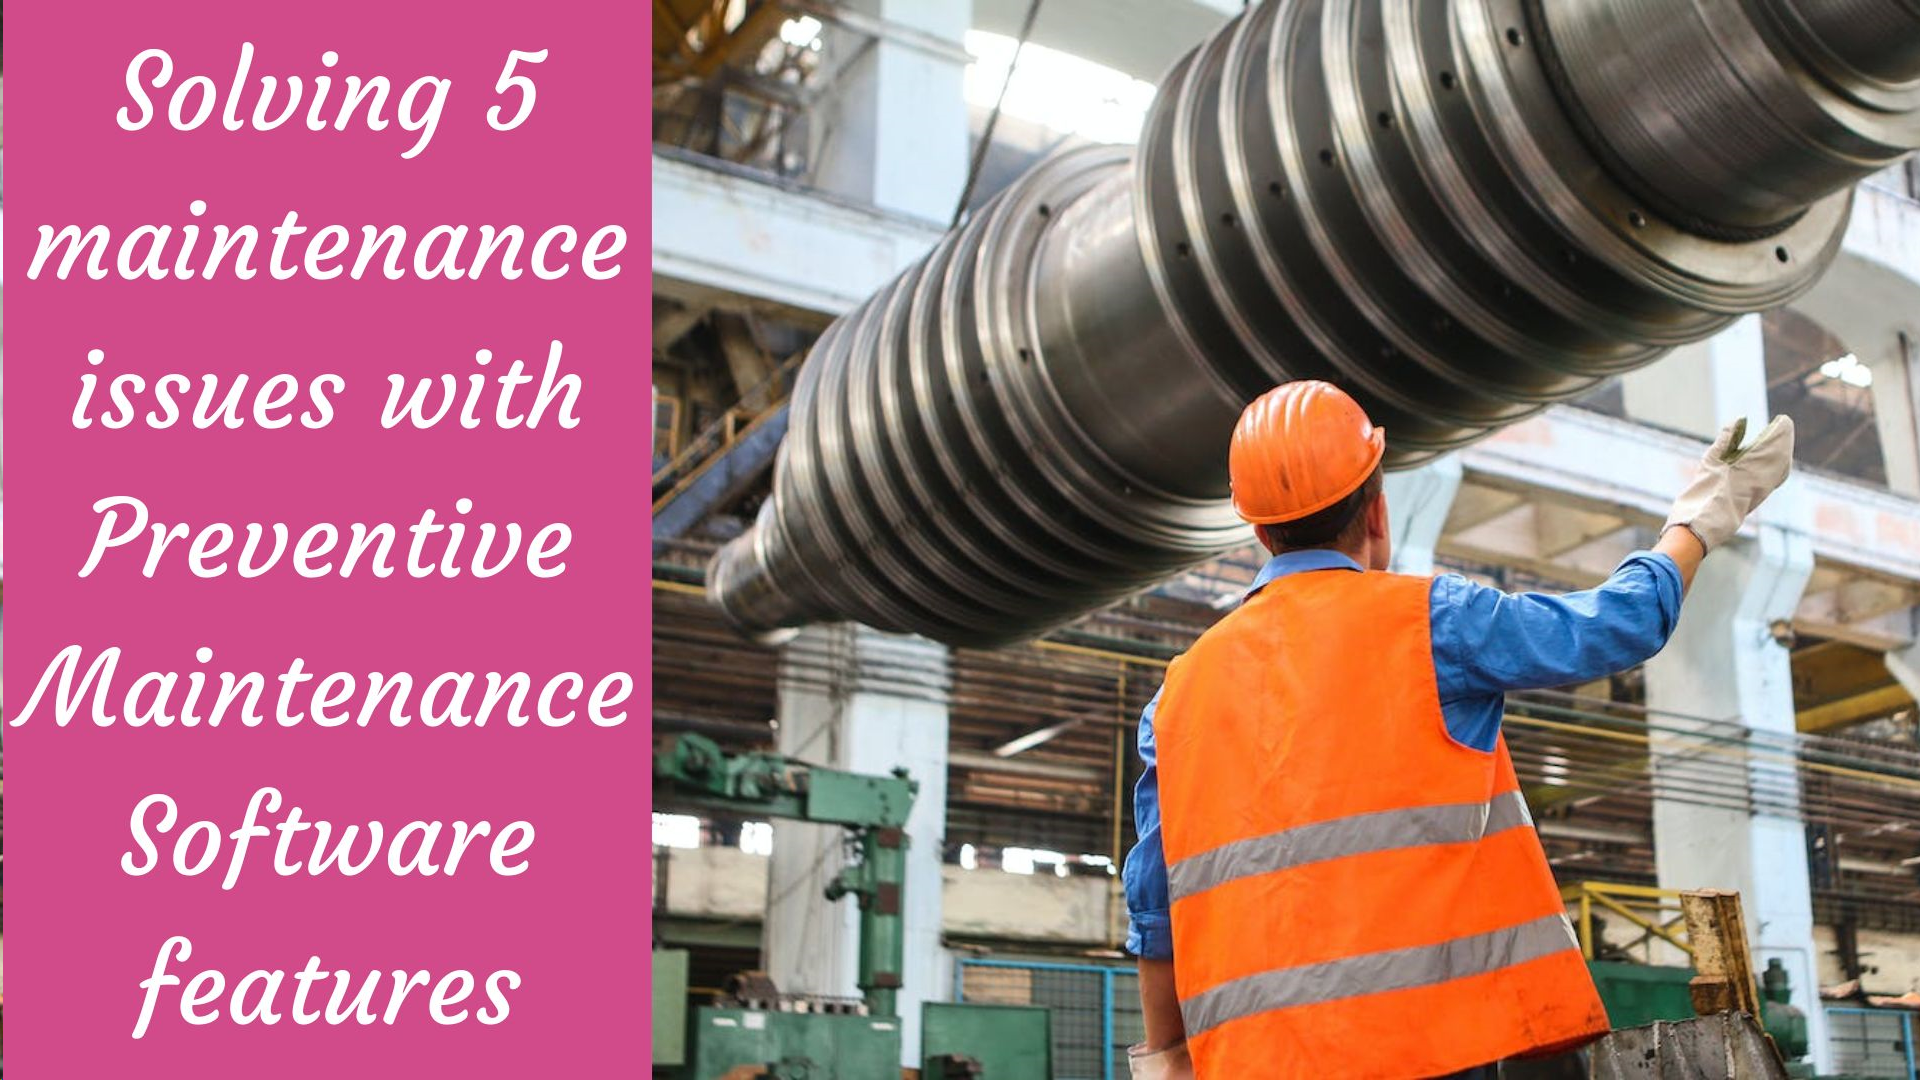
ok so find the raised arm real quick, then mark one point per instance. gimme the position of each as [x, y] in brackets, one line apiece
[1487, 642]
[1685, 550]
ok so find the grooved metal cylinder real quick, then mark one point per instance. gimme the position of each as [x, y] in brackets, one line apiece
[1461, 211]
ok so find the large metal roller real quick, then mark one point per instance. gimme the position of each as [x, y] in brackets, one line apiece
[1459, 210]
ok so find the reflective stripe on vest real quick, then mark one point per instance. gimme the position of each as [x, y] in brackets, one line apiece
[1372, 973]
[1456, 823]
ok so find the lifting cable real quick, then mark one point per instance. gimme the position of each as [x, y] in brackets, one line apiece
[993, 118]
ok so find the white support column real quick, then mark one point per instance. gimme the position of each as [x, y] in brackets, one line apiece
[1904, 664]
[1418, 501]
[1710, 829]
[857, 699]
[896, 134]
[1896, 412]
[1696, 388]
[1715, 823]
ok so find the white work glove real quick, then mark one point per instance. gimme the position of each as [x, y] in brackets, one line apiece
[1733, 480]
[1169, 1064]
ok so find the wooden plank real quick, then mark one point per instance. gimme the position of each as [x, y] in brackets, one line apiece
[1723, 965]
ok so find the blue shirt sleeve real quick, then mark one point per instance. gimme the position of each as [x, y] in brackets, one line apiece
[1149, 927]
[1487, 642]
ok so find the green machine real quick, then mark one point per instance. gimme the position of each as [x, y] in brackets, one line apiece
[778, 1045]
[995, 1042]
[1639, 993]
[761, 1032]
[669, 1007]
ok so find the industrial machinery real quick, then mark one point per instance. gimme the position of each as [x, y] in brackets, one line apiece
[1641, 994]
[1459, 210]
[795, 1036]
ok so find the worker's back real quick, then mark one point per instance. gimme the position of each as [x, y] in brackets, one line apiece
[1354, 892]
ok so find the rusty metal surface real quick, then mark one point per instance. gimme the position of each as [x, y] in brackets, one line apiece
[1726, 1046]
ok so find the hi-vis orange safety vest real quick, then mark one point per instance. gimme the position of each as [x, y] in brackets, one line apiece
[1354, 893]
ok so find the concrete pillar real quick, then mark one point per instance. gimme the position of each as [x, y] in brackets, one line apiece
[856, 699]
[1722, 694]
[1726, 809]
[1896, 412]
[896, 134]
[1696, 388]
[1418, 501]
[1904, 664]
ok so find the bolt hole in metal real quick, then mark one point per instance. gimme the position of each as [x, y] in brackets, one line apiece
[1509, 284]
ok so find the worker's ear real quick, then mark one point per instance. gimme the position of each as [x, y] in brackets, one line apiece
[1377, 526]
[1379, 542]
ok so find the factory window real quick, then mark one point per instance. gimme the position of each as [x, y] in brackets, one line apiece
[1817, 378]
[802, 33]
[676, 831]
[1019, 860]
[1056, 90]
[756, 838]
[1099, 862]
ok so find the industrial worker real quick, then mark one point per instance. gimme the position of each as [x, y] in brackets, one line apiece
[1336, 873]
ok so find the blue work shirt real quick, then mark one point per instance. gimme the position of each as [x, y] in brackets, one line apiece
[1485, 643]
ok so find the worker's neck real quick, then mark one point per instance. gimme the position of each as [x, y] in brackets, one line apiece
[1358, 555]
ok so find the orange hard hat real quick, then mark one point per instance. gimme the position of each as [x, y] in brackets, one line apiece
[1298, 449]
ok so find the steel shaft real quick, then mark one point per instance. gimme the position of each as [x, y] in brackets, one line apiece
[1461, 211]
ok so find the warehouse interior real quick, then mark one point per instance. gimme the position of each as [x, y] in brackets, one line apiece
[808, 151]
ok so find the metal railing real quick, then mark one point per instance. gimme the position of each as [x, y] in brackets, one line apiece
[1871, 1042]
[1095, 1008]
[1655, 911]
[712, 442]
